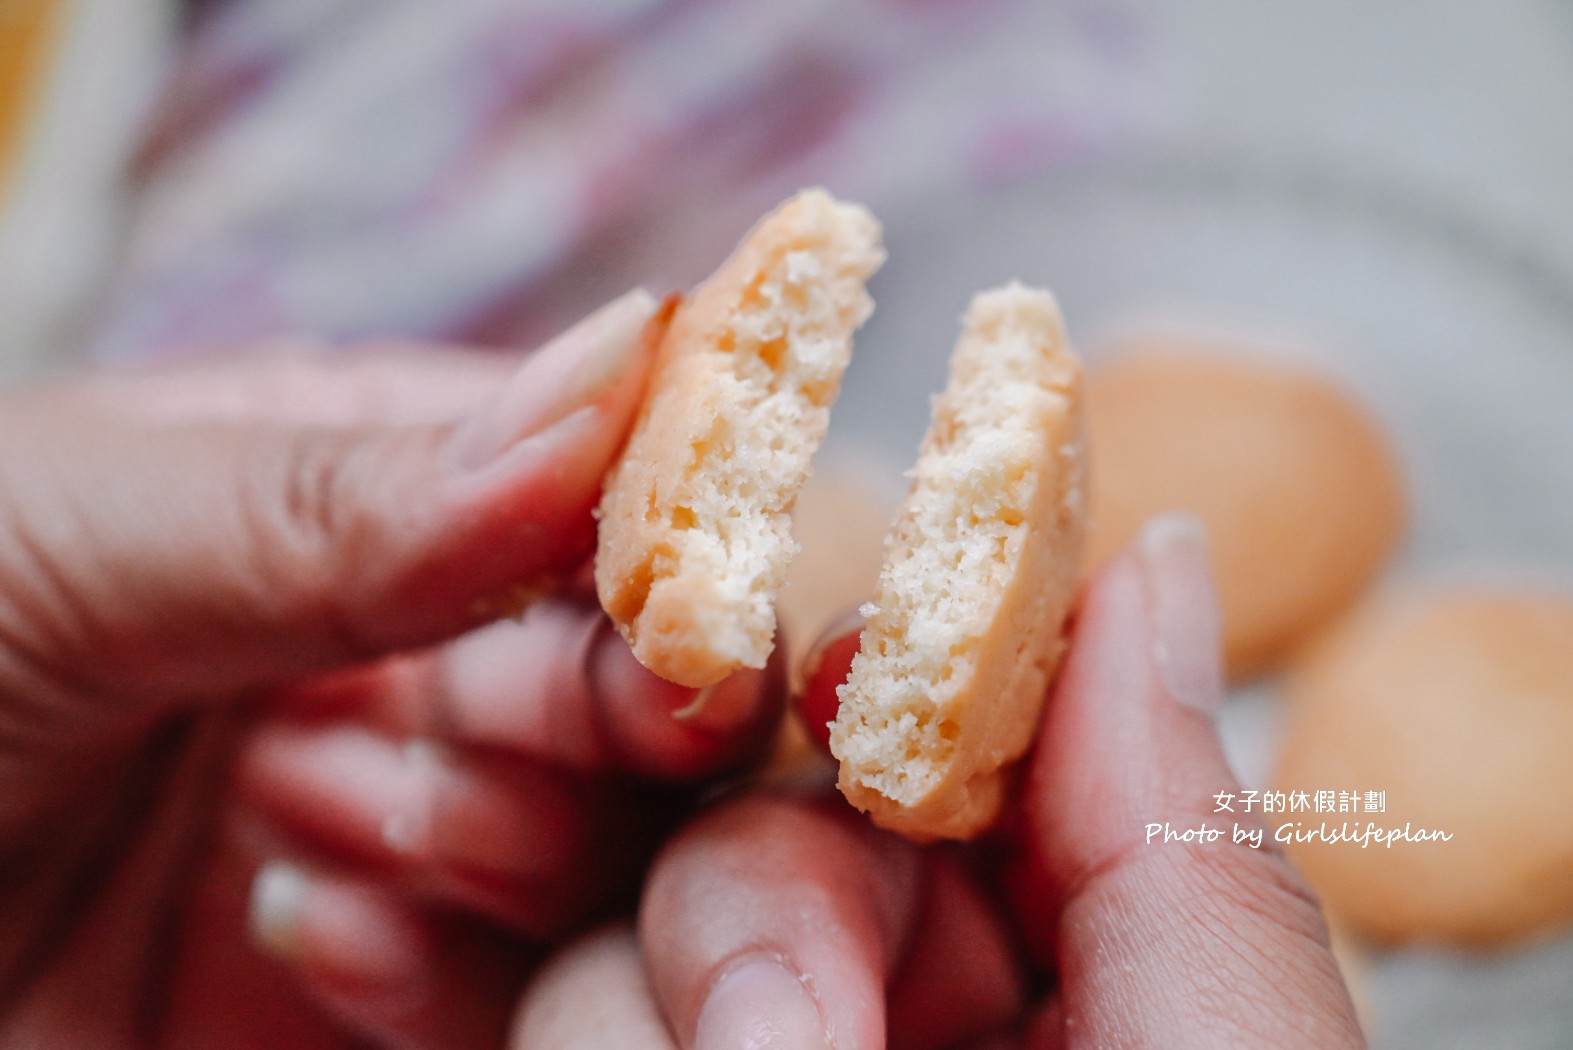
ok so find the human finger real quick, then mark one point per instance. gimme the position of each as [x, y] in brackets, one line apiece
[593, 994]
[793, 917]
[560, 686]
[160, 563]
[824, 669]
[401, 975]
[962, 972]
[529, 845]
[296, 382]
[1162, 933]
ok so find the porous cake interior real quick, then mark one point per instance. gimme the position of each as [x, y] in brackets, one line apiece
[780, 351]
[953, 549]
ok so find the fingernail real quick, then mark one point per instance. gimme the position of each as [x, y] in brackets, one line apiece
[818, 696]
[408, 829]
[760, 1005]
[348, 937]
[455, 823]
[849, 625]
[567, 374]
[1183, 607]
[278, 897]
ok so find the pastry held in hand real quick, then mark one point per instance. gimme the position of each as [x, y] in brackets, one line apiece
[695, 532]
[980, 568]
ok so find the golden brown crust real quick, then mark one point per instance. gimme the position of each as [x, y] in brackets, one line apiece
[743, 382]
[635, 550]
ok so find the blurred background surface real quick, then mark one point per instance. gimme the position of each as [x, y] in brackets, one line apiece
[1380, 191]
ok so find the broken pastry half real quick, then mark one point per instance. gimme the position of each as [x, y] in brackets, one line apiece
[695, 522]
[980, 568]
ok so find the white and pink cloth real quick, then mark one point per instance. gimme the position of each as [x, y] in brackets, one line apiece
[487, 170]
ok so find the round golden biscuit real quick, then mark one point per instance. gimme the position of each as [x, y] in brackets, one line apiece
[1457, 704]
[1297, 484]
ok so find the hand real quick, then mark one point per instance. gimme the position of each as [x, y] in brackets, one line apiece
[780, 921]
[247, 623]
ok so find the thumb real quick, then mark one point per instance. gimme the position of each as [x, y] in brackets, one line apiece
[157, 562]
[1160, 938]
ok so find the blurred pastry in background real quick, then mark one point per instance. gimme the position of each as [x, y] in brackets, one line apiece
[840, 520]
[1297, 483]
[1456, 707]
